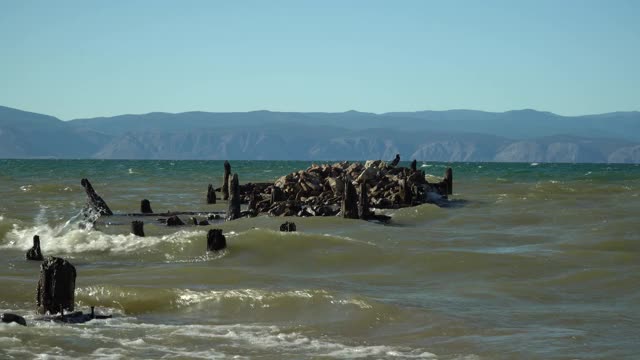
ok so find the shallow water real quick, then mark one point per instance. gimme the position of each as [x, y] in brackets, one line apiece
[531, 261]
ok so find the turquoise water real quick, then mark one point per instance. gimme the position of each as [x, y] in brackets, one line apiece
[531, 261]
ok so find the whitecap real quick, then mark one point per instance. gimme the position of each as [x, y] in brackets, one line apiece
[534, 164]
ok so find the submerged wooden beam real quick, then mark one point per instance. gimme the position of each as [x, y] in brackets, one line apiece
[95, 201]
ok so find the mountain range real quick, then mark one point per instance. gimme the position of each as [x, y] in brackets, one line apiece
[454, 135]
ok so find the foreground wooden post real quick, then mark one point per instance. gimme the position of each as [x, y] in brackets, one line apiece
[56, 287]
[95, 200]
[35, 253]
[363, 202]
[233, 211]
[288, 227]
[211, 195]
[225, 180]
[448, 179]
[215, 240]
[349, 206]
[137, 228]
[145, 207]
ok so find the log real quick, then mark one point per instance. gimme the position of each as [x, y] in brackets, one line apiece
[95, 201]
[174, 221]
[211, 195]
[216, 240]
[363, 202]
[56, 286]
[448, 179]
[225, 180]
[35, 253]
[349, 206]
[288, 227]
[145, 207]
[233, 211]
[137, 228]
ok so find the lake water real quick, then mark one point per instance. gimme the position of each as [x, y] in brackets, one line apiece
[531, 261]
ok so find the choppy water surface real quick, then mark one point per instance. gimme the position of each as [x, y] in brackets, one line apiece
[533, 261]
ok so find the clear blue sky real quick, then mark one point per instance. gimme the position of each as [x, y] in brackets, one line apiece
[76, 59]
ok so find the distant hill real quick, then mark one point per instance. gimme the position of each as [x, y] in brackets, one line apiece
[455, 135]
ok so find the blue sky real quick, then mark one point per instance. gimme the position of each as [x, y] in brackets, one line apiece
[76, 59]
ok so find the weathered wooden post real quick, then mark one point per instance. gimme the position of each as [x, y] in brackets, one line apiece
[35, 253]
[211, 195]
[288, 227]
[405, 192]
[276, 195]
[233, 211]
[225, 180]
[216, 240]
[363, 202]
[349, 206]
[95, 200]
[137, 228]
[414, 165]
[56, 287]
[145, 207]
[448, 179]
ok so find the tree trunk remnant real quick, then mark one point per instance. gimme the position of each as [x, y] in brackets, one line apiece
[363, 202]
[35, 253]
[225, 180]
[56, 287]
[288, 227]
[145, 207]
[233, 211]
[137, 228]
[349, 206]
[216, 240]
[95, 200]
[448, 179]
[211, 195]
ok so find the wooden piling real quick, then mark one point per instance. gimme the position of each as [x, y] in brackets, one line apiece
[448, 179]
[145, 207]
[216, 240]
[288, 227]
[211, 195]
[56, 287]
[35, 253]
[363, 202]
[95, 201]
[137, 228]
[233, 211]
[225, 180]
[349, 206]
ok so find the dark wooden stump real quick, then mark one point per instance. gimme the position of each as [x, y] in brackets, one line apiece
[56, 287]
[349, 206]
[448, 179]
[414, 165]
[145, 207]
[215, 240]
[35, 253]
[276, 195]
[8, 318]
[395, 161]
[225, 180]
[363, 202]
[211, 195]
[137, 228]
[174, 221]
[95, 201]
[288, 227]
[233, 211]
[405, 192]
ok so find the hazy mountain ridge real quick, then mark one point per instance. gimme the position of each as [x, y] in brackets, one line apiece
[455, 135]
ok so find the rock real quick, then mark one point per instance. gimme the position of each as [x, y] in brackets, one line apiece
[225, 180]
[35, 253]
[137, 228]
[95, 201]
[174, 221]
[369, 174]
[211, 195]
[13, 318]
[216, 240]
[145, 207]
[56, 287]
